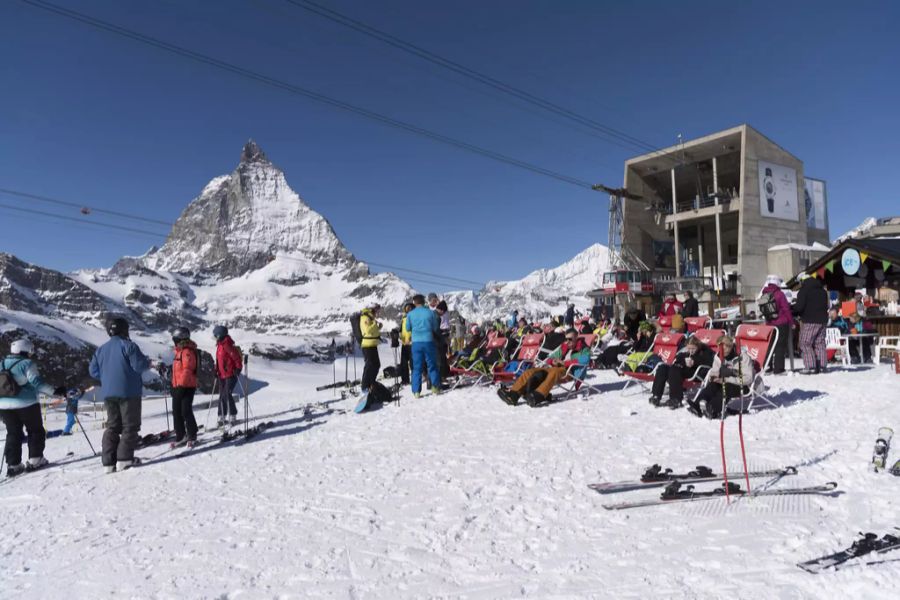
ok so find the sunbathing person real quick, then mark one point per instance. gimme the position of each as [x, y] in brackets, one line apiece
[535, 383]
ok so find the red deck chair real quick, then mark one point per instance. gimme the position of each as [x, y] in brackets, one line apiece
[709, 337]
[695, 324]
[480, 375]
[758, 341]
[665, 346]
[526, 354]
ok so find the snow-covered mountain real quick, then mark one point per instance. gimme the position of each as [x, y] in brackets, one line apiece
[540, 293]
[857, 231]
[247, 253]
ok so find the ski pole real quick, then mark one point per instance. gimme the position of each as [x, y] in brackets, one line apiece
[741, 418]
[209, 408]
[85, 434]
[722, 437]
[167, 410]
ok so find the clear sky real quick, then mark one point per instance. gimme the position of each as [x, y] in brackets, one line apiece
[93, 118]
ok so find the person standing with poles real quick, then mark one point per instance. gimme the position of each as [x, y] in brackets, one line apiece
[20, 384]
[405, 344]
[371, 337]
[118, 365]
[228, 367]
[185, 371]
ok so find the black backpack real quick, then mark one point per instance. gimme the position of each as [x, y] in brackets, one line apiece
[379, 393]
[9, 387]
[767, 306]
[356, 328]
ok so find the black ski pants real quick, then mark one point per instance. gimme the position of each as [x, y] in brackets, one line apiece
[226, 397]
[371, 368]
[712, 393]
[673, 375]
[442, 342]
[15, 420]
[183, 413]
[123, 426]
[780, 348]
[405, 362]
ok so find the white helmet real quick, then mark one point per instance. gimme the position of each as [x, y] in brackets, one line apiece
[23, 346]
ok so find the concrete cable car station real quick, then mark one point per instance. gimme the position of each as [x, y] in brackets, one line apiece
[715, 215]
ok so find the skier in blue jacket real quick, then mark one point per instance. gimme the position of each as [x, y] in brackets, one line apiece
[118, 365]
[423, 326]
[20, 409]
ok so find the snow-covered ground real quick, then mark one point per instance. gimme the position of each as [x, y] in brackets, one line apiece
[458, 496]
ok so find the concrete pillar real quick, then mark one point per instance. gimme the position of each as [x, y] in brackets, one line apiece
[675, 223]
[718, 226]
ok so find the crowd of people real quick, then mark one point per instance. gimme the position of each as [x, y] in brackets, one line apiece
[437, 349]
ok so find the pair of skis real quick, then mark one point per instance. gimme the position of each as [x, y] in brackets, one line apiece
[869, 543]
[882, 448]
[675, 491]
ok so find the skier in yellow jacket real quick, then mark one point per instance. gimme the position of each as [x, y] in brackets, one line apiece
[371, 336]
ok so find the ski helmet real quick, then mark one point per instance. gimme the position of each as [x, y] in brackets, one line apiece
[180, 334]
[117, 327]
[23, 346]
[220, 331]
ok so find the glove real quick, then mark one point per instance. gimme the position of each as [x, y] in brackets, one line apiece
[60, 391]
[725, 371]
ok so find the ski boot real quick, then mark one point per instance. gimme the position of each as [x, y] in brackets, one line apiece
[536, 398]
[673, 403]
[508, 396]
[124, 465]
[109, 469]
[13, 470]
[233, 420]
[695, 409]
[655, 400]
[34, 464]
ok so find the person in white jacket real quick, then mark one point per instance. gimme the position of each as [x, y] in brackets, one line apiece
[732, 369]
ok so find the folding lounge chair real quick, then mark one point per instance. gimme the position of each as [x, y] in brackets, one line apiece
[710, 337]
[485, 373]
[665, 346]
[695, 324]
[526, 354]
[757, 341]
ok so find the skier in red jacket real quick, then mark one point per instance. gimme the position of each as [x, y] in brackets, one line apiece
[185, 369]
[228, 367]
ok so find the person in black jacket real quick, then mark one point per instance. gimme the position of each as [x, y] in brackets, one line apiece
[695, 354]
[632, 321]
[691, 308]
[812, 308]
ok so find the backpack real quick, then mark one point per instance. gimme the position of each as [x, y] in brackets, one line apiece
[767, 306]
[9, 387]
[356, 328]
[379, 393]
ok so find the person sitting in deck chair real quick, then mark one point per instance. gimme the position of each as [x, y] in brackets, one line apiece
[641, 351]
[535, 383]
[695, 354]
[468, 354]
[730, 369]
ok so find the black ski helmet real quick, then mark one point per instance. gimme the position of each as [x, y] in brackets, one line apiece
[220, 331]
[117, 326]
[181, 334]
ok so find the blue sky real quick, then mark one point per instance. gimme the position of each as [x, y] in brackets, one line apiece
[96, 119]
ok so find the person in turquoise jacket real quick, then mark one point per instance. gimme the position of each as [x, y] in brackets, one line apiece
[423, 326]
[22, 411]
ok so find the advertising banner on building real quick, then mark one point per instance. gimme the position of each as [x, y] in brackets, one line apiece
[814, 193]
[778, 192]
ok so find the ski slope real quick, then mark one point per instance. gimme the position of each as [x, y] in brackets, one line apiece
[458, 496]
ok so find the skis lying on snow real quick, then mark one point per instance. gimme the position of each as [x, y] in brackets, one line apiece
[656, 476]
[868, 543]
[238, 434]
[673, 493]
[882, 447]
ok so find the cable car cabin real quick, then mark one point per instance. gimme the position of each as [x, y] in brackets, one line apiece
[622, 281]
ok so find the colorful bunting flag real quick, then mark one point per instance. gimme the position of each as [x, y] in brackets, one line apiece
[821, 273]
[863, 256]
[885, 265]
[830, 266]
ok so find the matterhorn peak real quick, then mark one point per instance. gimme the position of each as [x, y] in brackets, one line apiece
[253, 153]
